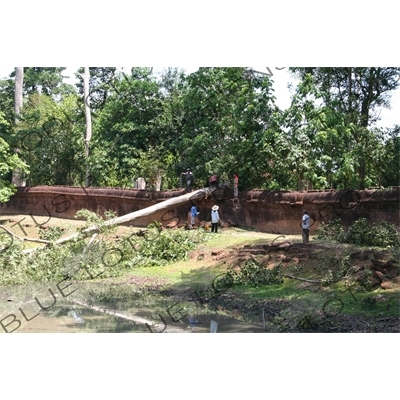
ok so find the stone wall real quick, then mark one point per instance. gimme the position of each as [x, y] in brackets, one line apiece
[281, 212]
[277, 212]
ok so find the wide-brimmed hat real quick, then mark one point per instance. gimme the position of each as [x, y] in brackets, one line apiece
[215, 208]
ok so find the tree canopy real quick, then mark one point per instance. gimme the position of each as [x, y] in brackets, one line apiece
[221, 121]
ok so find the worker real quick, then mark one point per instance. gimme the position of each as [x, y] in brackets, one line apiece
[189, 179]
[214, 181]
[214, 219]
[235, 186]
[305, 225]
[193, 215]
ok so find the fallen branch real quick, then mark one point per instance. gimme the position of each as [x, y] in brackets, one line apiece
[90, 242]
[301, 279]
[25, 238]
[173, 202]
[186, 198]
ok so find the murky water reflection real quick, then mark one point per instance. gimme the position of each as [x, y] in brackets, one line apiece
[117, 310]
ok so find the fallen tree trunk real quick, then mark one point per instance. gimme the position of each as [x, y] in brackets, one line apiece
[134, 318]
[173, 202]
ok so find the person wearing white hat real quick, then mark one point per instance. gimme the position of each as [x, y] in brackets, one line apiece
[214, 219]
[305, 225]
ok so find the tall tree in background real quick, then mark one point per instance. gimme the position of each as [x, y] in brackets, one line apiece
[126, 127]
[228, 116]
[221, 120]
[18, 93]
[50, 139]
[17, 175]
[169, 123]
[355, 94]
[101, 85]
[8, 162]
[45, 80]
[88, 117]
[389, 167]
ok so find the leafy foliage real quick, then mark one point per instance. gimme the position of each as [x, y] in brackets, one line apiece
[159, 247]
[361, 233]
[215, 120]
[8, 163]
[331, 230]
[94, 219]
[251, 273]
[227, 117]
[354, 96]
[104, 257]
[381, 234]
[302, 315]
[49, 140]
[52, 233]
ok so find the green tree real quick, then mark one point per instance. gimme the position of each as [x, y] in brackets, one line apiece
[388, 164]
[18, 178]
[310, 151]
[8, 162]
[355, 95]
[45, 80]
[101, 85]
[169, 124]
[125, 125]
[227, 117]
[7, 99]
[50, 136]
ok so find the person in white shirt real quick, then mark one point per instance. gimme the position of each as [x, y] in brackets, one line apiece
[214, 219]
[305, 224]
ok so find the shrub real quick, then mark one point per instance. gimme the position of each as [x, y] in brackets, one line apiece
[363, 233]
[332, 230]
[254, 274]
[386, 235]
[52, 233]
[359, 233]
[103, 257]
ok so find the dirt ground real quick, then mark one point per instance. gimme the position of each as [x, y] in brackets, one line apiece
[363, 283]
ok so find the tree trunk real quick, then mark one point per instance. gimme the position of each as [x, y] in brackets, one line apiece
[17, 175]
[164, 205]
[86, 94]
[158, 181]
[18, 94]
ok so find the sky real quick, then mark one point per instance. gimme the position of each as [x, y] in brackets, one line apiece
[281, 78]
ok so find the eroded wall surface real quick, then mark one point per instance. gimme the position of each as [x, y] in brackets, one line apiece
[271, 211]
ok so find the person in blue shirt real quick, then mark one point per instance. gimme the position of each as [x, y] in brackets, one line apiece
[193, 215]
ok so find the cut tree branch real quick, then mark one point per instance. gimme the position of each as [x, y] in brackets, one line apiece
[173, 202]
[27, 239]
[301, 279]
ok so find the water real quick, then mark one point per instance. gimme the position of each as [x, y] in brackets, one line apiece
[115, 310]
